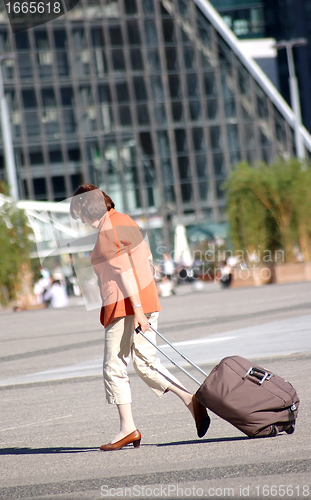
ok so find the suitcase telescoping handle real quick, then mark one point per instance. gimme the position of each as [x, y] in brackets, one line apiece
[138, 330]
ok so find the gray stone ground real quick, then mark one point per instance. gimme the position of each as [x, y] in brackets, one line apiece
[50, 431]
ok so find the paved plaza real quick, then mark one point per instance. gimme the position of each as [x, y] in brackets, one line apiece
[54, 416]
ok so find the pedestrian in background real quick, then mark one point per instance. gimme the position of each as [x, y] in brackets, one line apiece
[55, 296]
[225, 274]
[41, 286]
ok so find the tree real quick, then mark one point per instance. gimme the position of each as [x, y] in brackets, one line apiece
[15, 249]
[302, 202]
[248, 217]
[269, 205]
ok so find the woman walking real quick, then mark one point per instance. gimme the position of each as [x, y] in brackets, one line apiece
[122, 262]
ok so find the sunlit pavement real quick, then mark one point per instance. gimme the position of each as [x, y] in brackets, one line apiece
[54, 416]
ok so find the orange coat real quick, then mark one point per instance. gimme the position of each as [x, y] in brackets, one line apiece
[121, 257]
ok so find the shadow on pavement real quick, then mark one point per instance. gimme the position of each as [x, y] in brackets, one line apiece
[197, 441]
[43, 451]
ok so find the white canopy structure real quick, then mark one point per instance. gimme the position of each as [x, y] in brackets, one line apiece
[182, 253]
[55, 232]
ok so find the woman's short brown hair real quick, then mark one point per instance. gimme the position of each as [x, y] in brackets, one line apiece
[91, 202]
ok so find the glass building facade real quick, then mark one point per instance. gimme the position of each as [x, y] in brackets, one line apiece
[144, 98]
[282, 20]
[295, 22]
[246, 18]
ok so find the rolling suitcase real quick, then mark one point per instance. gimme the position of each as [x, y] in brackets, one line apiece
[254, 400]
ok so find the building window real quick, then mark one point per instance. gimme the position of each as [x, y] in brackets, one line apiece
[82, 62]
[195, 110]
[97, 37]
[210, 84]
[168, 30]
[130, 7]
[171, 58]
[183, 7]
[29, 99]
[136, 60]
[79, 39]
[151, 33]
[201, 167]
[133, 33]
[76, 180]
[189, 57]
[59, 187]
[183, 168]
[240, 27]
[74, 155]
[25, 66]
[118, 61]
[48, 98]
[186, 192]
[36, 158]
[249, 136]
[115, 35]
[22, 40]
[56, 156]
[262, 106]
[230, 108]
[140, 89]
[143, 115]
[39, 187]
[62, 63]
[32, 123]
[243, 80]
[160, 113]
[233, 137]
[122, 92]
[181, 140]
[215, 138]
[174, 86]
[204, 28]
[203, 191]
[146, 143]
[220, 192]
[198, 139]
[100, 62]
[148, 7]
[5, 45]
[154, 60]
[69, 119]
[219, 165]
[125, 116]
[67, 96]
[177, 111]
[44, 54]
[85, 95]
[60, 38]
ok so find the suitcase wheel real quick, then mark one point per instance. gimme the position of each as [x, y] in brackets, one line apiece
[291, 429]
[274, 432]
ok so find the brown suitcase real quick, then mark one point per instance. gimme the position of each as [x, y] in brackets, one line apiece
[256, 401]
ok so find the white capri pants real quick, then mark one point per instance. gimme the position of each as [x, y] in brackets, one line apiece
[122, 342]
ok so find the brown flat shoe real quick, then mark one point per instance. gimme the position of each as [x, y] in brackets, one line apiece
[202, 420]
[134, 438]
